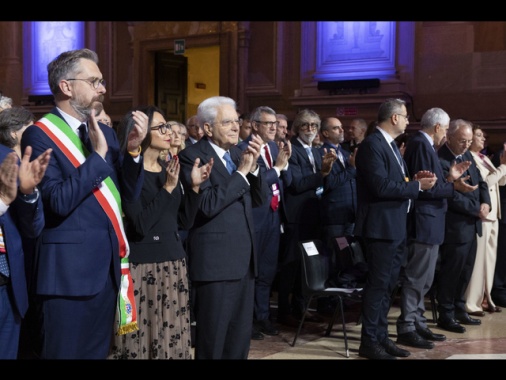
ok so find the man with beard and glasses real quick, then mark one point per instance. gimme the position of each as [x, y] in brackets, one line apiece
[81, 276]
[308, 169]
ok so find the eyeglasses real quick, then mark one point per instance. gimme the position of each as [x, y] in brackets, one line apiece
[94, 82]
[268, 123]
[465, 142]
[405, 116]
[227, 123]
[163, 128]
[306, 126]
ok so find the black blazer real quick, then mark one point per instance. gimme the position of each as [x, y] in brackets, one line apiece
[426, 223]
[221, 242]
[383, 193]
[462, 221]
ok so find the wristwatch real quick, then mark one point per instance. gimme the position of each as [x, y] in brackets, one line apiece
[30, 198]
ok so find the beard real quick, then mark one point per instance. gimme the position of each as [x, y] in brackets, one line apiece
[308, 137]
[82, 108]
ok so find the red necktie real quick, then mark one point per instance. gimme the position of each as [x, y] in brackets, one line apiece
[268, 156]
[275, 189]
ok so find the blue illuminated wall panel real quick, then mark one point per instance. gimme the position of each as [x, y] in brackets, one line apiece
[43, 41]
[355, 50]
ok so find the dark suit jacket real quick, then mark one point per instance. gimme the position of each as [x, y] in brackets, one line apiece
[78, 241]
[269, 177]
[339, 199]
[383, 193]
[426, 223]
[302, 205]
[221, 242]
[462, 221]
[21, 221]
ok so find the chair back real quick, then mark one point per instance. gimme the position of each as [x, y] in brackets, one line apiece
[315, 266]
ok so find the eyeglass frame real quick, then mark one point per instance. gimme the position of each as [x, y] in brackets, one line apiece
[308, 126]
[266, 123]
[226, 123]
[161, 127]
[98, 81]
[405, 116]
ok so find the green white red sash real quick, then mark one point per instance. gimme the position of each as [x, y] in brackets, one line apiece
[108, 197]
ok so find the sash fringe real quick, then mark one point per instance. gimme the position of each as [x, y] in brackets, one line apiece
[131, 327]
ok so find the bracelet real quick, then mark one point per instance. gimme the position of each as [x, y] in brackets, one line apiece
[135, 154]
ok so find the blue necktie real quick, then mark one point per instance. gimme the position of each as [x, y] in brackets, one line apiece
[230, 164]
[311, 157]
[397, 152]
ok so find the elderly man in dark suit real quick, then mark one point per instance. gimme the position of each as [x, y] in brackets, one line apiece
[463, 222]
[385, 195]
[426, 225]
[221, 243]
[83, 248]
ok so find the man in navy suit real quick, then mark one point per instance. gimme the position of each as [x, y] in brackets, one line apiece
[463, 222]
[79, 270]
[426, 226]
[221, 244]
[308, 171]
[21, 217]
[273, 163]
[385, 194]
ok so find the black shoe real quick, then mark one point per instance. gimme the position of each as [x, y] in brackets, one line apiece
[375, 352]
[265, 326]
[451, 325]
[412, 339]
[429, 335]
[465, 319]
[393, 350]
[255, 334]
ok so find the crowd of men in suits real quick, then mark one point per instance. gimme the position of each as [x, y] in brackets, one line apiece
[267, 191]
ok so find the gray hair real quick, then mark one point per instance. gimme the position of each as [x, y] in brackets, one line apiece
[434, 116]
[67, 65]
[208, 109]
[388, 108]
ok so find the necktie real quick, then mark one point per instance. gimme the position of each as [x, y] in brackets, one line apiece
[458, 159]
[83, 135]
[275, 189]
[230, 164]
[311, 158]
[397, 152]
[340, 156]
[268, 156]
[4, 266]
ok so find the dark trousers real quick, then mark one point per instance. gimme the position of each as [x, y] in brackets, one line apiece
[223, 312]
[498, 292]
[456, 267]
[79, 327]
[10, 324]
[384, 259]
[267, 244]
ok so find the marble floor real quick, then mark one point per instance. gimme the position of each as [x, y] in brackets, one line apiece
[486, 341]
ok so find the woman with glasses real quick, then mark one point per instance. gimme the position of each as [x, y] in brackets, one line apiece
[157, 259]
